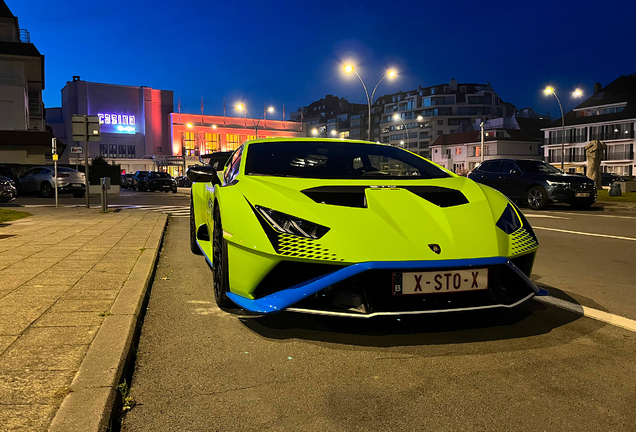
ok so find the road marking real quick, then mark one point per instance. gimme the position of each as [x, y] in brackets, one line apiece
[596, 314]
[584, 233]
[596, 215]
[544, 216]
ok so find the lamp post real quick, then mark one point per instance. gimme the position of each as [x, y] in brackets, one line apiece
[390, 73]
[256, 122]
[577, 93]
[408, 139]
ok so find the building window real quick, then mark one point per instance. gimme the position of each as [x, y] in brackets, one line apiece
[112, 150]
[103, 150]
[439, 132]
[458, 150]
[232, 141]
[440, 122]
[122, 151]
[188, 144]
[211, 143]
[131, 151]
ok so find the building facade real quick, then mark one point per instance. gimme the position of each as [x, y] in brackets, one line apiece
[24, 138]
[609, 115]
[426, 113]
[332, 117]
[192, 135]
[503, 138]
[135, 124]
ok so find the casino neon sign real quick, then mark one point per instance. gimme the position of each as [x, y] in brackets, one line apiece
[121, 122]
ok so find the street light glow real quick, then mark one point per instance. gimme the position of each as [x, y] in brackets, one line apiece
[314, 131]
[334, 133]
[239, 107]
[548, 90]
[348, 68]
[391, 73]
[577, 93]
[190, 125]
[270, 109]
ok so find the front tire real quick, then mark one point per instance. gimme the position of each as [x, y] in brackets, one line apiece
[536, 198]
[220, 264]
[46, 190]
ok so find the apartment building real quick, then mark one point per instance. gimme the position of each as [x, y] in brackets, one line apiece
[415, 119]
[23, 134]
[332, 117]
[609, 115]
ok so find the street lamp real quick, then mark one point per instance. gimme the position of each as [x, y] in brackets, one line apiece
[408, 139]
[315, 131]
[577, 93]
[241, 107]
[390, 73]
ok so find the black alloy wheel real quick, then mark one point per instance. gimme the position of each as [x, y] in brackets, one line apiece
[536, 197]
[220, 264]
[194, 247]
[46, 190]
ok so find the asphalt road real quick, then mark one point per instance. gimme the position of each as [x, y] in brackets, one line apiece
[536, 368]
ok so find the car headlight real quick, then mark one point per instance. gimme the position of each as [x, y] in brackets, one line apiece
[292, 225]
[556, 183]
[509, 221]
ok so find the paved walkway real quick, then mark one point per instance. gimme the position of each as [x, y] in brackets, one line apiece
[72, 282]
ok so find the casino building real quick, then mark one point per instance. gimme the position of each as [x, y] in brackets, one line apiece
[135, 122]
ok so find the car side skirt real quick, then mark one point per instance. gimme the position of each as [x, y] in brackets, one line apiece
[285, 298]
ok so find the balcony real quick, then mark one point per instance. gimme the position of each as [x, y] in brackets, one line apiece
[556, 158]
[612, 156]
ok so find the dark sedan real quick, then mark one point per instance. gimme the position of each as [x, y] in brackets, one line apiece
[157, 180]
[535, 183]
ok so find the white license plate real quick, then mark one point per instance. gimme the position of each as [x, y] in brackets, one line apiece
[77, 185]
[440, 281]
[582, 194]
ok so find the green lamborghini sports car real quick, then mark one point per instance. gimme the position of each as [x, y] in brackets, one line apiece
[339, 227]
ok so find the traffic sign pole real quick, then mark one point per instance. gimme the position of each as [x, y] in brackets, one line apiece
[54, 151]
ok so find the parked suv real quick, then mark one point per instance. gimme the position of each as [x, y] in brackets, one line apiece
[126, 181]
[535, 183]
[40, 179]
[135, 181]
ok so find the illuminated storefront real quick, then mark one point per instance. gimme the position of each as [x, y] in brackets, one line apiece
[135, 127]
[193, 135]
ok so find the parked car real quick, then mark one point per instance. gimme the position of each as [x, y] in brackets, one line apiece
[135, 182]
[40, 180]
[217, 160]
[158, 180]
[126, 180]
[5, 171]
[183, 181]
[8, 191]
[609, 178]
[535, 183]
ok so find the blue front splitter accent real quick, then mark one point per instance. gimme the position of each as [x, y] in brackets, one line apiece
[287, 297]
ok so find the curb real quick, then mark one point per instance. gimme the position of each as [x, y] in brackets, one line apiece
[89, 405]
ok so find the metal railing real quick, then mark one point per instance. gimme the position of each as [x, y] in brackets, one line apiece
[24, 36]
[626, 155]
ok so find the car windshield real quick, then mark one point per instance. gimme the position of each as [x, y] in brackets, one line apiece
[160, 175]
[336, 160]
[530, 166]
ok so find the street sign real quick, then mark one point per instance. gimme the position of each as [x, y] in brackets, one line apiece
[76, 150]
[93, 129]
[78, 125]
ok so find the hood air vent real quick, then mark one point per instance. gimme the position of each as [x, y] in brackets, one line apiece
[353, 196]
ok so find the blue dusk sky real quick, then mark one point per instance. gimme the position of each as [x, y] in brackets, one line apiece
[275, 53]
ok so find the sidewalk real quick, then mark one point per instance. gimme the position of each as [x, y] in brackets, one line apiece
[616, 206]
[72, 281]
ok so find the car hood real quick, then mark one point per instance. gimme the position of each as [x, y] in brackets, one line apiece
[562, 177]
[372, 220]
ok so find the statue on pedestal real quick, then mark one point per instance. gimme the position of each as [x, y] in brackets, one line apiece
[594, 153]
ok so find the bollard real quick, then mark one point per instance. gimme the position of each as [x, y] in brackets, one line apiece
[615, 189]
[105, 182]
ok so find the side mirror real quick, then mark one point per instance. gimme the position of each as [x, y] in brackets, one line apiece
[203, 174]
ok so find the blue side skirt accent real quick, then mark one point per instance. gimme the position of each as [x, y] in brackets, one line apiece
[287, 297]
